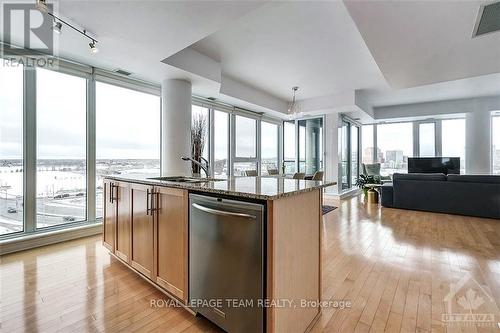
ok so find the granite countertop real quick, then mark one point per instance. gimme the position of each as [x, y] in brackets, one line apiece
[263, 187]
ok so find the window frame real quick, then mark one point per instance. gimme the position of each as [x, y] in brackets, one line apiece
[91, 75]
[494, 115]
[277, 142]
[438, 133]
[88, 191]
[238, 159]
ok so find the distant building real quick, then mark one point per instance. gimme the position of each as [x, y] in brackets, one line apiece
[368, 154]
[395, 156]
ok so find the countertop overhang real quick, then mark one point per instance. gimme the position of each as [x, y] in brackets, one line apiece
[261, 187]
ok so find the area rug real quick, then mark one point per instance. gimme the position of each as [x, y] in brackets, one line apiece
[327, 209]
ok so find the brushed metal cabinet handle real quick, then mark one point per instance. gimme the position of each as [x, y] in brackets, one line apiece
[222, 212]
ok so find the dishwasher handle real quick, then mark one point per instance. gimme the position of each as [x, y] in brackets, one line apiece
[222, 212]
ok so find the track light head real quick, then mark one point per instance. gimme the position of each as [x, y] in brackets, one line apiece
[41, 5]
[57, 27]
[93, 47]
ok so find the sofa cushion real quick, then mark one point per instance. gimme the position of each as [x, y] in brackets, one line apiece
[419, 176]
[487, 179]
[372, 169]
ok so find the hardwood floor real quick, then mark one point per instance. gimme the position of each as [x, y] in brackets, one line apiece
[396, 268]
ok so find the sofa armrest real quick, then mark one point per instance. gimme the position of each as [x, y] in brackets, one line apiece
[387, 193]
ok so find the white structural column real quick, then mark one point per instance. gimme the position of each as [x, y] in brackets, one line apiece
[478, 142]
[176, 126]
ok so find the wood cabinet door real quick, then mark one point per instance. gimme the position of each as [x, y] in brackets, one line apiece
[172, 240]
[142, 228]
[109, 220]
[123, 229]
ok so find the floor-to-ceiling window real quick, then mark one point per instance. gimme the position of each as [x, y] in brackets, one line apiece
[354, 141]
[395, 142]
[289, 147]
[427, 139]
[269, 147]
[61, 176]
[368, 146]
[200, 120]
[11, 149]
[245, 146]
[127, 134]
[495, 129]
[344, 155]
[221, 143]
[453, 140]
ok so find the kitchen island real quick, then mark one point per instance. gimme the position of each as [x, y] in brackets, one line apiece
[147, 227]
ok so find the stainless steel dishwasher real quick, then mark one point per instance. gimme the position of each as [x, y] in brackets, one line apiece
[226, 264]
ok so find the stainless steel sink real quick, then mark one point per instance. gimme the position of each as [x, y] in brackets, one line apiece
[183, 179]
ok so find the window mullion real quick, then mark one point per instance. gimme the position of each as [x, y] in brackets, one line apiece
[258, 146]
[29, 149]
[91, 150]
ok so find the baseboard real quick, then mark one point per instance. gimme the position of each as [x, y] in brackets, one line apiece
[40, 239]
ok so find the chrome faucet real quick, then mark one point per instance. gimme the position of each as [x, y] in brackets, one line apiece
[205, 167]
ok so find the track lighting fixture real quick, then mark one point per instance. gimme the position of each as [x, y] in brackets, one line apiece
[93, 47]
[42, 6]
[57, 27]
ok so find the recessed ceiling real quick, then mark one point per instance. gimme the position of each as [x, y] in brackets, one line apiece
[480, 86]
[423, 42]
[313, 45]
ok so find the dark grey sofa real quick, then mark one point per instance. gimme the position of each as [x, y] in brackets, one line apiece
[472, 195]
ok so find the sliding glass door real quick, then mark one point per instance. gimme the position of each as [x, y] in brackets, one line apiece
[310, 145]
[344, 155]
[349, 153]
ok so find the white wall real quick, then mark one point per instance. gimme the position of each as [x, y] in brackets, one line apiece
[478, 142]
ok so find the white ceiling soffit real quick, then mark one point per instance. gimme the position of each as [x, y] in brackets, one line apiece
[423, 42]
[314, 45]
[230, 90]
[486, 85]
[137, 35]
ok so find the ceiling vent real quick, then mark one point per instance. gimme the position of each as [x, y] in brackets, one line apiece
[488, 19]
[122, 72]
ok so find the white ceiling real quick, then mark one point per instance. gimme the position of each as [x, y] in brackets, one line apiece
[391, 52]
[423, 42]
[313, 45]
[137, 35]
